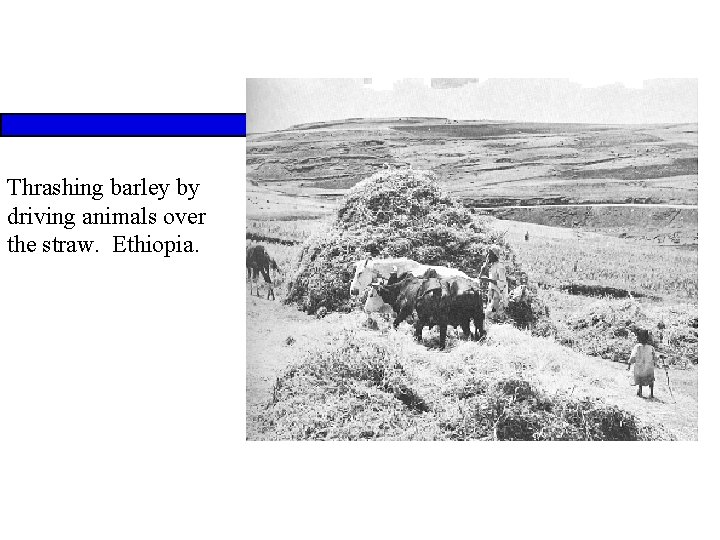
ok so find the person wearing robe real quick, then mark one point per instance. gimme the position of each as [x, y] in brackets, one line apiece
[643, 357]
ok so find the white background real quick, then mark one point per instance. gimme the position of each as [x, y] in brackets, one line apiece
[122, 376]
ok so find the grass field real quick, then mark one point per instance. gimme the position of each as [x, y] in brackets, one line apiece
[558, 257]
[555, 257]
[292, 231]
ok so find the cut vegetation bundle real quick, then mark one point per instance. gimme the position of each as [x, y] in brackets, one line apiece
[394, 213]
[360, 386]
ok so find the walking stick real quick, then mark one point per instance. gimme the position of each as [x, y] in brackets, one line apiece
[667, 374]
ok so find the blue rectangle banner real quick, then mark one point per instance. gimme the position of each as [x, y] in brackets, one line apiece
[122, 125]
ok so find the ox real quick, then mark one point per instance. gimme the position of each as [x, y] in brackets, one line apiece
[443, 301]
[259, 262]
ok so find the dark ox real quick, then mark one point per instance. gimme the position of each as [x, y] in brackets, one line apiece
[438, 301]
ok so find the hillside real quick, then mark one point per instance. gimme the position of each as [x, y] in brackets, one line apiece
[490, 162]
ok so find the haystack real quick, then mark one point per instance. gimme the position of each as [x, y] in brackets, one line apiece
[363, 386]
[394, 213]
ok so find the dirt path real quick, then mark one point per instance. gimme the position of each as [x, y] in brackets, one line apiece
[270, 324]
[676, 412]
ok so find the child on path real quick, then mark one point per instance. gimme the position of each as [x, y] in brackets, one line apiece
[643, 356]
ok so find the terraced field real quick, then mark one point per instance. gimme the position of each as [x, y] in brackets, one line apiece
[484, 162]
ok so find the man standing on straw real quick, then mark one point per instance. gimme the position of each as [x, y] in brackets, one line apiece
[497, 284]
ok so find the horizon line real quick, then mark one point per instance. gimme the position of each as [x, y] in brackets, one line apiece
[498, 121]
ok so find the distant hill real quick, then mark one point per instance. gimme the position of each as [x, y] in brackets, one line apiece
[480, 160]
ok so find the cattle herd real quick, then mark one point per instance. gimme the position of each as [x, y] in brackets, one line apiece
[437, 295]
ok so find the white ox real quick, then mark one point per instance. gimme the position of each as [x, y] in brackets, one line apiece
[375, 304]
[369, 270]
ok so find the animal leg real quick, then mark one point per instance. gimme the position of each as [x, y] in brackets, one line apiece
[265, 271]
[479, 321]
[419, 324]
[387, 319]
[272, 285]
[466, 330]
[443, 334]
[404, 312]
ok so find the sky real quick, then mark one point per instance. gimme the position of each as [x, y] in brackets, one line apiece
[274, 104]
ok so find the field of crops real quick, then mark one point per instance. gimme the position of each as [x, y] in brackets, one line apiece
[553, 257]
[559, 257]
[294, 231]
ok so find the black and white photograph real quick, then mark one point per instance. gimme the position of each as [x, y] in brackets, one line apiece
[455, 259]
